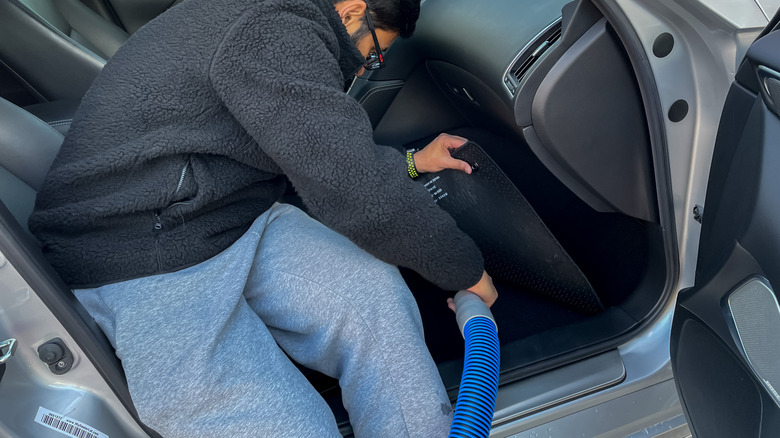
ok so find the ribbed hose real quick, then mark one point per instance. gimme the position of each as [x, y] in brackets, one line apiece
[479, 383]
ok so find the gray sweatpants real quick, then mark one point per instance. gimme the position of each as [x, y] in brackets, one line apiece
[204, 348]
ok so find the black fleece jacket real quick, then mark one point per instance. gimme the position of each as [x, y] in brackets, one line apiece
[190, 130]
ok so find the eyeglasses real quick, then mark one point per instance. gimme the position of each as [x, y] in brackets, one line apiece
[375, 60]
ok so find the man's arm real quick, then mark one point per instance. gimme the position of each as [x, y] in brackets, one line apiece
[284, 88]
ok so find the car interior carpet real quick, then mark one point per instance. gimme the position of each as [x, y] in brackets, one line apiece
[519, 315]
[517, 246]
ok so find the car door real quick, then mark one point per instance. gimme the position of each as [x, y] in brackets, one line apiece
[726, 332]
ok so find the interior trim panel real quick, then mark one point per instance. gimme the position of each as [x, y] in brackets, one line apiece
[48, 60]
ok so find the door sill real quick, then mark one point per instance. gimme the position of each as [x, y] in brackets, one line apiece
[536, 393]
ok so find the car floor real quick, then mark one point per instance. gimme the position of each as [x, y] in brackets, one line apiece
[611, 249]
[518, 315]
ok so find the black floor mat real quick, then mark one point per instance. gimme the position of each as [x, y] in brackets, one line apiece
[518, 248]
[611, 249]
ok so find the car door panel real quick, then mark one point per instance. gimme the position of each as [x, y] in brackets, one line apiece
[726, 332]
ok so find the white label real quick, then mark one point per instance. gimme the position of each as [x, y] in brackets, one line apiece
[436, 192]
[66, 425]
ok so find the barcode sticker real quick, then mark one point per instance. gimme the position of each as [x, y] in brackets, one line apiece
[66, 425]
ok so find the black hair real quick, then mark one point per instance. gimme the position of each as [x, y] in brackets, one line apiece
[392, 15]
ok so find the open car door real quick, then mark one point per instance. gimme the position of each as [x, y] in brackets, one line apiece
[726, 332]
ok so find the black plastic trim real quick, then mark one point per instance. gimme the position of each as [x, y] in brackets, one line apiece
[105, 10]
[55, 66]
[593, 138]
[375, 96]
[657, 130]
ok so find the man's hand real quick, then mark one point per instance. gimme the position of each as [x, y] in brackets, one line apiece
[436, 156]
[484, 289]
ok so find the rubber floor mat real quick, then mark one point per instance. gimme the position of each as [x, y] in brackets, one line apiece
[517, 246]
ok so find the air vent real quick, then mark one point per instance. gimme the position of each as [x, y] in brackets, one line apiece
[530, 54]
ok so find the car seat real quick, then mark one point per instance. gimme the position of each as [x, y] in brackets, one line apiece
[55, 48]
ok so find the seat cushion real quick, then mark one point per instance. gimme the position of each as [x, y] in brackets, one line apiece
[58, 113]
[27, 144]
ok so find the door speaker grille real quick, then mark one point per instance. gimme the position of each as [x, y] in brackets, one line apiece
[756, 317]
[770, 87]
[773, 90]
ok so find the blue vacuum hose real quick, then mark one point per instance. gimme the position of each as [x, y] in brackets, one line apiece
[479, 383]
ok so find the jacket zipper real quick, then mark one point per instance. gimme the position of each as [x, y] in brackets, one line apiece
[158, 224]
[181, 178]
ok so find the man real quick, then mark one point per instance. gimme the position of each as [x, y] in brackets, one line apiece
[160, 211]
